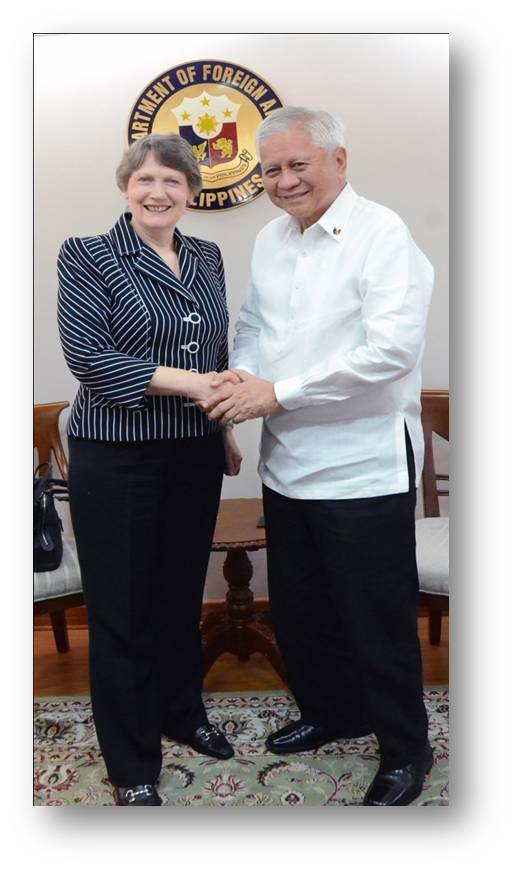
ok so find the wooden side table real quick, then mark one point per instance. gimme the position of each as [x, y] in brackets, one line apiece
[239, 629]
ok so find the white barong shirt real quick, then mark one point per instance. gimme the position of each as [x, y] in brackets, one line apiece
[335, 317]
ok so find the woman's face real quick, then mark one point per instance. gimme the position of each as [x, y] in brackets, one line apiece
[157, 195]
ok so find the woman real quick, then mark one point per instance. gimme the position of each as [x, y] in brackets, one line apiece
[143, 324]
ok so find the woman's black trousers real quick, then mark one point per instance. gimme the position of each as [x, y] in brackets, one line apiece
[143, 516]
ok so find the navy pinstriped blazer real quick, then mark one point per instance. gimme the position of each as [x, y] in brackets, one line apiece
[122, 312]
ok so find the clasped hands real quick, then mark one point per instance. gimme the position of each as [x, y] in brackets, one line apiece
[235, 396]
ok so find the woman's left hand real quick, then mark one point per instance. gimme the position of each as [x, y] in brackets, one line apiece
[233, 455]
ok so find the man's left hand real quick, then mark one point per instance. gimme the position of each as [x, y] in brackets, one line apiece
[253, 397]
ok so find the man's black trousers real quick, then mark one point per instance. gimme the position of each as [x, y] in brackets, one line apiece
[143, 516]
[343, 586]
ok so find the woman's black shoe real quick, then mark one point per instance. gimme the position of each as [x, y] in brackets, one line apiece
[144, 795]
[207, 739]
[211, 741]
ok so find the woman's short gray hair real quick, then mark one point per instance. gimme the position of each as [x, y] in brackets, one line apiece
[169, 150]
[326, 130]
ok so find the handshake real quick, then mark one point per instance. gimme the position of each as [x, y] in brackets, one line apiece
[234, 396]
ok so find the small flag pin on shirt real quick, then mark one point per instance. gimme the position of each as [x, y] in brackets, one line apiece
[336, 231]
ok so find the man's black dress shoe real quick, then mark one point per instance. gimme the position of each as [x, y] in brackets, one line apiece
[299, 736]
[400, 786]
[209, 740]
[144, 795]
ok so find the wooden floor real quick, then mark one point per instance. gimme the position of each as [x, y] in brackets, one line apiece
[66, 674]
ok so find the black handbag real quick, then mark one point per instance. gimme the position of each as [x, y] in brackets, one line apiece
[47, 523]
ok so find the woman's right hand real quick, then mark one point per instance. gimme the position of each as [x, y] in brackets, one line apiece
[202, 384]
[168, 381]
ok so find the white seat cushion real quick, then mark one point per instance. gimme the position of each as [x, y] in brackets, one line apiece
[62, 581]
[432, 552]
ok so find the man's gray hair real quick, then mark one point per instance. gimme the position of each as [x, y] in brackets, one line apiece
[326, 130]
[169, 150]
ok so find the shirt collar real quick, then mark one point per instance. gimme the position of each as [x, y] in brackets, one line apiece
[126, 240]
[335, 219]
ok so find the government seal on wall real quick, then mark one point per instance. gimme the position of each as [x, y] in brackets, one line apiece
[217, 106]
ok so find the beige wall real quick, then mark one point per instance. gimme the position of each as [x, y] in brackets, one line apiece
[391, 91]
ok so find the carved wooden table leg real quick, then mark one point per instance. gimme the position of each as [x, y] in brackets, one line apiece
[238, 572]
[240, 629]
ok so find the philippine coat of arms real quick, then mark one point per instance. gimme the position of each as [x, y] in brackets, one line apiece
[217, 106]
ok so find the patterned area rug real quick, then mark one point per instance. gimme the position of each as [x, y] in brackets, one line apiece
[69, 769]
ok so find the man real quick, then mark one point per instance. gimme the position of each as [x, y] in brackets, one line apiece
[328, 349]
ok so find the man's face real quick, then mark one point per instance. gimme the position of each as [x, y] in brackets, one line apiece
[299, 177]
